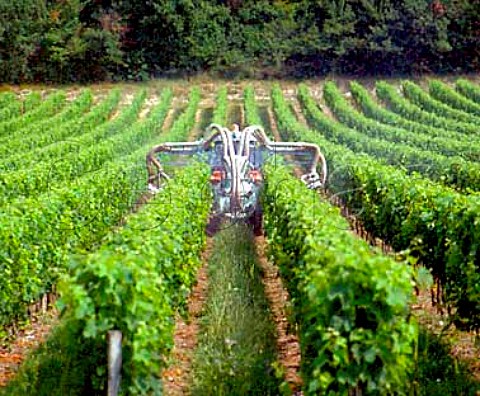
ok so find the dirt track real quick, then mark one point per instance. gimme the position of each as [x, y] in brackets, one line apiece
[176, 377]
[287, 341]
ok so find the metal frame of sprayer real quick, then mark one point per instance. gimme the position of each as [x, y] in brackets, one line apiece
[236, 159]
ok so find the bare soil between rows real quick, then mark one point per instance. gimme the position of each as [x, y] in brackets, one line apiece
[25, 341]
[288, 346]
[176, 378]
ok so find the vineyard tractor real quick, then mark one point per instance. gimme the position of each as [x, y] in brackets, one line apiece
[236, 159]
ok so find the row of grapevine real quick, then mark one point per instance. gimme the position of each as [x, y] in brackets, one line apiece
[79, 132]
[351, 303]
[11, 107]
[221, 109]
[469, 90]
[251, 111]
[318, 257]
[49, 107]
[349, 116]
[7, 98]
[439, 226]
[44, 175]
[451, 171]
[185, 123]
[73, 110]
[14, 109]
[426, 102]
[37, 235]
[372, 109]
[398, 104]
[445, 94]
[140, 276]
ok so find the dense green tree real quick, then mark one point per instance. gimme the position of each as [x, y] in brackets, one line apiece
[464, 33]
[46, 40]
[358, 36]
[62, 40]
[72, 50]
[21, 24]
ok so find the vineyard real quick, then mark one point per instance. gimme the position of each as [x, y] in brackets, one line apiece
[342, 295]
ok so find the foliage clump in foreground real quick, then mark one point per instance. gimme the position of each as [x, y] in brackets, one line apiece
[134, 283]
[351, 304]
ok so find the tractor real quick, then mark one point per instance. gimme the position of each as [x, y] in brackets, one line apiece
[236, 159]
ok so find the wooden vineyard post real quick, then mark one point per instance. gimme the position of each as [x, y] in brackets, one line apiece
[114, 340]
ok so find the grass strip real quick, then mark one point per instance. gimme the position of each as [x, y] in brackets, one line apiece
[236, 349]
[438, 373]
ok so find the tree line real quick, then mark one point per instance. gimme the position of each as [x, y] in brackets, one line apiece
[85, 40]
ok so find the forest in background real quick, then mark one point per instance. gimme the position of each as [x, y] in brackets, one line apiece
[90, 40]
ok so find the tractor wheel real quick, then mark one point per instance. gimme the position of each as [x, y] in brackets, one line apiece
[213, 225]
[257, 221]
